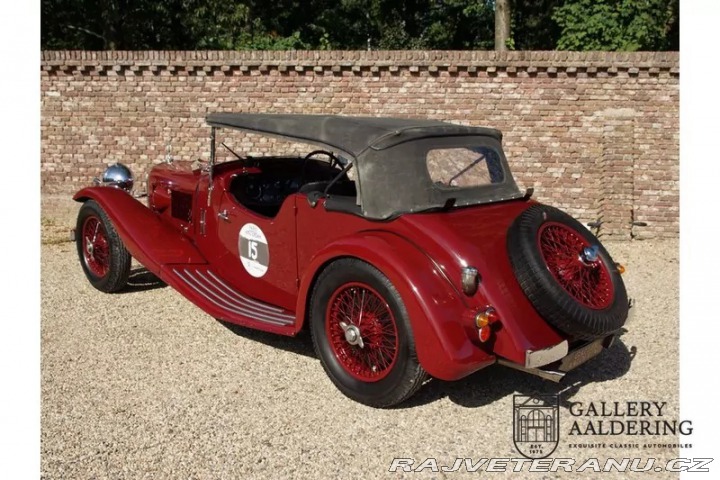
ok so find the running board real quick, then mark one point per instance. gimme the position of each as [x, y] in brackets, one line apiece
[215, 296]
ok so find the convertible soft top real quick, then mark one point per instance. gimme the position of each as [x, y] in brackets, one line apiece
[353, 135]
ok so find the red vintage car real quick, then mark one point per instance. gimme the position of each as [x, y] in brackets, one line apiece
[404, 246]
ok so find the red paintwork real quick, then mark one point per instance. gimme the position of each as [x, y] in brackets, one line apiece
[279, 285]
[421, 254]
[146, 236]
[588, 282]
[360, 304]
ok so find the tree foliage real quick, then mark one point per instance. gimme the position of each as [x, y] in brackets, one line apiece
[626, 25]
[355, 24]
[532, 25]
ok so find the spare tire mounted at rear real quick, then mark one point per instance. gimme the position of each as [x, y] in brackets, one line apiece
[565, 272]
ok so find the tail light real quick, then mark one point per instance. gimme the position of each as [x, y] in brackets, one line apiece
[485, 333]
[483, 321]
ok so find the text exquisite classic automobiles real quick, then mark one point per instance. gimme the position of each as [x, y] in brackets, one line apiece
[404, 246]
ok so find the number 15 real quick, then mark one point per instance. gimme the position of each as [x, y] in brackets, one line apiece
[252, 250]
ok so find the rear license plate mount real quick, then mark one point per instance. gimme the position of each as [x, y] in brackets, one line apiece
[585, 353]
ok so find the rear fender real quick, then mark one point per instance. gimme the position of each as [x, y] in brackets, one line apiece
[435, 310]
[149, 240]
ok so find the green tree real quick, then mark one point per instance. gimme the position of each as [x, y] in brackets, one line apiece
[533, 27]
[112, 24]
[626, 25]
[409, 24]
[356, 24]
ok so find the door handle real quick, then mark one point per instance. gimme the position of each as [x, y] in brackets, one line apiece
[224, 215]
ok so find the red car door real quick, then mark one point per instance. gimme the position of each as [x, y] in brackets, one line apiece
[258, 253]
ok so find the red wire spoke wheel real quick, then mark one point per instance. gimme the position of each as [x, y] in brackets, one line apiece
[103, 257]
[588, 281]
[362, 331]
[566, 273]
[95, 247]
[362, 334]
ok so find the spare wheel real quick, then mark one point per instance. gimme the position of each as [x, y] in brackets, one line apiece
[566, 273]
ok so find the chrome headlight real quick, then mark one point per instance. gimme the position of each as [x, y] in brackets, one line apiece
[119, 176]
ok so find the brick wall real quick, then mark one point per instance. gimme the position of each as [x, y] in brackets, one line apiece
[595, 133]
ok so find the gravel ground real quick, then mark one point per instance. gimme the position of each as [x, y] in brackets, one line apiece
[145, 385]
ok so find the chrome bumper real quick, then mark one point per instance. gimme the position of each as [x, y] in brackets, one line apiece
[560, 360]
[546, 356]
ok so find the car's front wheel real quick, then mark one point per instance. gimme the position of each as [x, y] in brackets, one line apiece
[362, 334]
[104, 258]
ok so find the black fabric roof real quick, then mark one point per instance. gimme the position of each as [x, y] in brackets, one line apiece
[349, 134]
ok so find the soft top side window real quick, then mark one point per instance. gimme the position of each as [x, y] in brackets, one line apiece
[459, 167]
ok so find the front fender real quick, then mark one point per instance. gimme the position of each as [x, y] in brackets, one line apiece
[149, 240]
[437, 314]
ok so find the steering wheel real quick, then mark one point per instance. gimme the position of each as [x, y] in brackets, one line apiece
[333, 161]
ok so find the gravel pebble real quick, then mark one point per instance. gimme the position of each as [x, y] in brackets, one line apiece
[145, 385]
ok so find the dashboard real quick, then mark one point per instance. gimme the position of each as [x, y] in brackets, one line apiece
[262, 185]
[263, 189]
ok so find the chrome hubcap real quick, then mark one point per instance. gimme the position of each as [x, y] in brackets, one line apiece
[590, 254]
[352, 334]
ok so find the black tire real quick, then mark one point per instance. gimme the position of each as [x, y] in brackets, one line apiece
[551, 300]
[405, 376]
[117, 259]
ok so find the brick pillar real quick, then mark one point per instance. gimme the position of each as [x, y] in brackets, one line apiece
[617, 177]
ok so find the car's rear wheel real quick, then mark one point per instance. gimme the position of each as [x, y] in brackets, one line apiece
[566, 273]
[362, 334]
[104, 258]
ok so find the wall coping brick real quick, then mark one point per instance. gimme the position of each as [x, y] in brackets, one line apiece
[532, 61]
